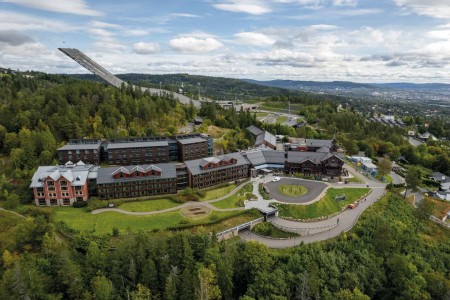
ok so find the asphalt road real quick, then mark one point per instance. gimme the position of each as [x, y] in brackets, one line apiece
[345, 220]
[315, 188]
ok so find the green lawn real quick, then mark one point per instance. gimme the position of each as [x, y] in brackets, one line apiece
[218, 192]
[387, 178]
[235, 200]
[282, 119]
[149, 205]
[261, 115]
[354, 179]
[267, 229]
[103, 223]
[324, 207]
[292, 190]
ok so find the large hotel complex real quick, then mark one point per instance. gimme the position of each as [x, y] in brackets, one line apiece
[163, 165]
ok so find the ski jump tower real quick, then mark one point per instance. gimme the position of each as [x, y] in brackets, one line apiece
[112, 79]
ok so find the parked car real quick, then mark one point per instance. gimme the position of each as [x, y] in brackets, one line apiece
[275, 179]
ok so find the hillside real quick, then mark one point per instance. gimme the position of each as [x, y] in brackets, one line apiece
[218, 88]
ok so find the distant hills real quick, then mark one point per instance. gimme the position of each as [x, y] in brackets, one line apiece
[301, 85]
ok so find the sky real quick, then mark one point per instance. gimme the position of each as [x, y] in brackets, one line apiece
[320, 40]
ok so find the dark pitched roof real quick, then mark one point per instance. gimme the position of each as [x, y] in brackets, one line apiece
[262, 157]
[255, 130]
[105, 175]
[315, 157]
[194, 166]
[319, 143]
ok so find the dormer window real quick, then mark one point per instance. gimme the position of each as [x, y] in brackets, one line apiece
[50, 183]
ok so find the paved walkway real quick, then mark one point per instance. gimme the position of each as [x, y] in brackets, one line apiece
[345, 220]
[205, 203]
[396, 179]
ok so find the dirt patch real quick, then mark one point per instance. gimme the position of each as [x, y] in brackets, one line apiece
[195, 211]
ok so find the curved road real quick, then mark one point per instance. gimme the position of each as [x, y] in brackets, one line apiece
[347, 220]
[315, 189]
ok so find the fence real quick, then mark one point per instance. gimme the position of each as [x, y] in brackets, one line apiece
[439, 221]
[234, 230]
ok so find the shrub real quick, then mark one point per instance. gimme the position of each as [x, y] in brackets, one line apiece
[115, 231]
[79, 204]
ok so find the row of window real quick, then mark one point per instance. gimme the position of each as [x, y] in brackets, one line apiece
[85, 151]
[136, 194]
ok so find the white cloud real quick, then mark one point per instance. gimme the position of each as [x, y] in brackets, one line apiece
[20, 22]
[100, 32]
[191, 44]
[185, 15]
[345, 2]
[146, 48]
[324, 27]
[254, 39]
[77, 7]
[253, 7]
[431, 8]
[99, 24]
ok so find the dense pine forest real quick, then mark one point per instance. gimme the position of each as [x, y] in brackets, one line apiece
[394, 251]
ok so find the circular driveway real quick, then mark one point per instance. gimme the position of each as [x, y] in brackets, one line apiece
[314, 190]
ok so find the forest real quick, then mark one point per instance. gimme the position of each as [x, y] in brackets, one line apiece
[393, 252]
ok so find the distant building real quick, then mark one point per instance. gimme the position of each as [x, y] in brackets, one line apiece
[137, 151]
[216, 170]
[263, 139]
[193, 146]
[313, 163]
[81, 149]
[136, 181]
[64, 184]
[311, 145]
[369, 167]
[198, 121]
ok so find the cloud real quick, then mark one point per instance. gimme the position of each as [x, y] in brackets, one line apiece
[324, 27]
[14, 38]
[77, 7]
[192, 44]
[185, 15]
[146, 48]
[17, 21]
[99, 24]
[100, 32]
[431, 8]
[345, 2]
[396, 63]
[252, 7]
[254, 39]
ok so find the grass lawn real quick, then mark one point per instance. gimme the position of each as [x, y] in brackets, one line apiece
[324, 207]
[292, 190]
[267, 229]
[354, 179]
[260, 115]
[387, 178]
[282, 119]
[243, 217]
[103, 223]
[218, 192]
[236, 199]
[149, 205]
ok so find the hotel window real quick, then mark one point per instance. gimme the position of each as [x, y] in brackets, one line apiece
[50, 183]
